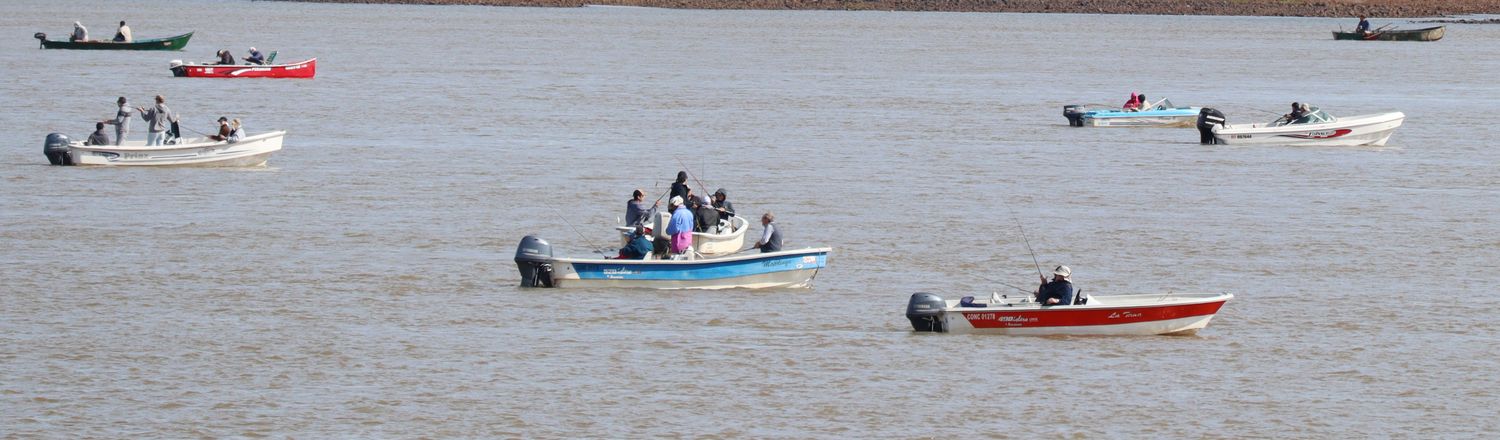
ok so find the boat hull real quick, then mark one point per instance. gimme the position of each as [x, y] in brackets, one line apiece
[1427, 34]
[304, 69]
[248, 152]
[1119, 315]
[1372, 130]
[1180, 117]
[785, 269]
[170, 43]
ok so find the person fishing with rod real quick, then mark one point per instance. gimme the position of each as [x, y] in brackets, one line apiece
[1058, 291]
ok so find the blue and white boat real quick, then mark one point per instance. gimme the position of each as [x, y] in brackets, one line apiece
[1160, 114]
[744, 270]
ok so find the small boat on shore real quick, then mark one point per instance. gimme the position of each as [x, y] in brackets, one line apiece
[195, 152]
[1424, 34]
[168, 43]
[1315, 128]
[728, 240]
[1160, 114]
[1148, 314]
[301, 69]
[745, 270]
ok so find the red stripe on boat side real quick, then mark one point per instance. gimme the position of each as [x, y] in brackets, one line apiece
[1069, 317]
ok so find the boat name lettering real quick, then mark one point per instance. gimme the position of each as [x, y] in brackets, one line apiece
[775, 263]
[1324, 133]
[1011, 319]
[1118, 315]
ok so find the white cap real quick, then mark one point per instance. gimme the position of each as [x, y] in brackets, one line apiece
[676, 200]
[1063, 271]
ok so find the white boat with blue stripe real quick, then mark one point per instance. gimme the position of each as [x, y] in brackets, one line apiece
[1160, 114]
[744, 270]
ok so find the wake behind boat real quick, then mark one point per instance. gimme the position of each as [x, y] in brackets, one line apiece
[1148, 314]
[748, 270]
[1160, 114]
[192, 152]
[1315, 127]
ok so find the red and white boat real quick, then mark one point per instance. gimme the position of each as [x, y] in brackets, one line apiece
[1150, 314]
[300, 69]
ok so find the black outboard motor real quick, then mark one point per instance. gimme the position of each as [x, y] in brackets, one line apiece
[1074, 113]
[40, 37]
[1206, 120]
[534, 258]
[57, 149]
[925, 311]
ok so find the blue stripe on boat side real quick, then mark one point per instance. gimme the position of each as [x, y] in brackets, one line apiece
[708, 270]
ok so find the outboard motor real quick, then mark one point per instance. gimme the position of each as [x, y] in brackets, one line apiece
[1206, 120]
[41, 37]
[925, 311]
[56, 149]
[534, 258]
[1074, 113]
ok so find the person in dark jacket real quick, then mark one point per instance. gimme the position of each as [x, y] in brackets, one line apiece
[225, 58]
[1059, 291]
[680, 187]
[1364, 25]
[705, 216]
[224, 130]
[255, 57]
[721, 204]
[638, 247]
[99, 137]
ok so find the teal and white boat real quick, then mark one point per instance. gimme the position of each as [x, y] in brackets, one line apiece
[743, 270]
[1160, 114]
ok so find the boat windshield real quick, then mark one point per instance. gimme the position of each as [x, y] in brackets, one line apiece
[1313, 116]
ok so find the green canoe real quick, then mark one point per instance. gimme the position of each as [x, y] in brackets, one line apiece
[1428, 34]
[169, 43]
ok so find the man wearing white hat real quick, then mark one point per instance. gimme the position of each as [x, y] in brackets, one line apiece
[681, 226]
[1059, 291]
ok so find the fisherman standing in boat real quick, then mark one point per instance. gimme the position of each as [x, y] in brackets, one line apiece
[681, 226]
[160, 118]
[121, 121]
[122, 35]
[1059, 291]
[770, 240]
[680, 187]
[1364, 26]
[721, 204]
[637, 210]
[80, 33]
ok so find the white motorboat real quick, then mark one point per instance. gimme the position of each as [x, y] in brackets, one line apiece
[728, 238]
[1148, 314]
[745, 270]
[1315, 128]
[189, 152]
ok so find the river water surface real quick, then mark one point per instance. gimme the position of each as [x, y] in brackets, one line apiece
[361, 285]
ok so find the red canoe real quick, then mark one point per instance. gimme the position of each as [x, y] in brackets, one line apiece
[301, 69]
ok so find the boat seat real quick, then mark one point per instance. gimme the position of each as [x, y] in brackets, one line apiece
[271, 59]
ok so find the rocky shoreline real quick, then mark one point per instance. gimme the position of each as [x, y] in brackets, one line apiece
[1292, 8]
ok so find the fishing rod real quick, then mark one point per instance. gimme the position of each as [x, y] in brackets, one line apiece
[1026, 240]
[992, 280]
[580, 234]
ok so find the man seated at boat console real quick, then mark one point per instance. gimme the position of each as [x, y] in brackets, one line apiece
[1059, 291]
